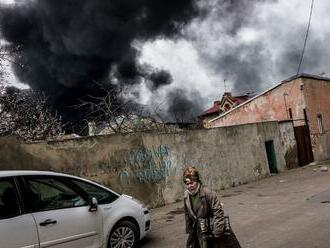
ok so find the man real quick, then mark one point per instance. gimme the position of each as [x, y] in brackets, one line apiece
[203, 212]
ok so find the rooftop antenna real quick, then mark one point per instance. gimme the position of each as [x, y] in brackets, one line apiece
[224, 83]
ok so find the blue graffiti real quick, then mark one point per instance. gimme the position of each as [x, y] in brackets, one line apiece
[145, 156]
[151, 175]
[147, 165]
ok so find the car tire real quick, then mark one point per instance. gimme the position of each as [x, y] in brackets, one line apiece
[123, 235]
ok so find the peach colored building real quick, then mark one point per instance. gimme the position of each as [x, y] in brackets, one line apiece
[304, 99]
[227, 102]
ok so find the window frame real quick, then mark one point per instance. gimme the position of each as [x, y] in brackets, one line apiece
[115, 195]
[320, 125]
[28, 192]
[13, 180]
[290, 114]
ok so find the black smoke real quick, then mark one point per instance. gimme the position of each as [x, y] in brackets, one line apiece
[159, 78]
[183, 107]
[67, 46]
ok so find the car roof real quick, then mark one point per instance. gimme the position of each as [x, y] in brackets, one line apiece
[13, 173]
[8, 173]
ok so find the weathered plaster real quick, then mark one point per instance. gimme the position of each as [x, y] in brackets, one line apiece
[289, 144]
[149, 166]
[271, 106]
[306, 92]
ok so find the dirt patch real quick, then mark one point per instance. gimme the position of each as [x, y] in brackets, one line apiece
[171, 214]
[229, 195]
[169, 218]
[266, 195]
[176, 211]
[322, 197]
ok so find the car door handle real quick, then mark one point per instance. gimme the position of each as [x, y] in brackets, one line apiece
[48, 222]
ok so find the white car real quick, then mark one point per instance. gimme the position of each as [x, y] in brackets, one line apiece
[48, 209]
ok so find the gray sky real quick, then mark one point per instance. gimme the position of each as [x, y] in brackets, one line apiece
[250, 44]
[252, 49]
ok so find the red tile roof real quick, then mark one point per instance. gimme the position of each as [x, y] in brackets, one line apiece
[240, 99]
[213, 110]
[237, 100]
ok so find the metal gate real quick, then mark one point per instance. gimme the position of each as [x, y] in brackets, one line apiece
[305, 153]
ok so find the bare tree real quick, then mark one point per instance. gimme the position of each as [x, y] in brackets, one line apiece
[114, 112]
[7, 55]
[3, 55]
[24, 113]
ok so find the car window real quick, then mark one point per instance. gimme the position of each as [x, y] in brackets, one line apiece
[9, 204]
[103, 196]
[49, 193]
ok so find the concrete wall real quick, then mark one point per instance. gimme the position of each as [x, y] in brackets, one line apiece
[316, 94]
[271, 106]
[289, 144]
[321, 146]
[149, 166]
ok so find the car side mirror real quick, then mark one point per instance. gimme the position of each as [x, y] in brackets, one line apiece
[92, 204]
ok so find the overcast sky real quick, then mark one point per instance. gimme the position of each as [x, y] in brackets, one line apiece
[252, 48]
[250, 44]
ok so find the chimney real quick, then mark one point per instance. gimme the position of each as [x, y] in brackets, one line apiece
[91, 128]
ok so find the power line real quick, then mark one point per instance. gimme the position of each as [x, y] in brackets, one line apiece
[302, 52]
[306, 37]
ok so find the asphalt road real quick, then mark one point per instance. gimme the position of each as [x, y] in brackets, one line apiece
[291, 209]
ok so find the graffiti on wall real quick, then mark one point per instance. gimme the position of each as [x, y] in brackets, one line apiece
[147, 165]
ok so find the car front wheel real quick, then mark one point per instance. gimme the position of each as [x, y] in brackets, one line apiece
[123, 235]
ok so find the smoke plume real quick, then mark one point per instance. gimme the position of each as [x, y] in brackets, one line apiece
[183, 107]
[68, 45]
[255, 44]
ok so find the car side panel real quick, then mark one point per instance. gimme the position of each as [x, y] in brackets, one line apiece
[74, 228]
[19, 232]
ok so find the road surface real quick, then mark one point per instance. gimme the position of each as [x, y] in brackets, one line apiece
[291, 209]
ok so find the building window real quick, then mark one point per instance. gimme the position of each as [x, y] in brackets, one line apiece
[290, 113]
[320, 123]
[305, 116]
